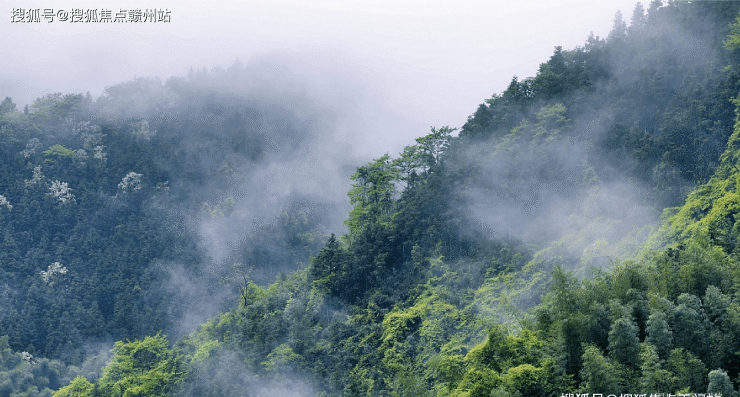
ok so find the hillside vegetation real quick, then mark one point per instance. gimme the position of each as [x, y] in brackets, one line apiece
[578, 234]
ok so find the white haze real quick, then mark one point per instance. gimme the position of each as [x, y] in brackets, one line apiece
[376, 73]
[426, 63]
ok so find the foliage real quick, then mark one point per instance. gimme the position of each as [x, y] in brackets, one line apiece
[719, 383]
[141, 368]
[52, 272]
[624, 343]
[379, 315]
[491, 262]
[599, 374]
[79, 387]
[21, 374]
[130, 182]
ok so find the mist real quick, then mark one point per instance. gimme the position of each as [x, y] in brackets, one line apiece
[258, 152]
[449, 56]
[550, 194]
[228, 167]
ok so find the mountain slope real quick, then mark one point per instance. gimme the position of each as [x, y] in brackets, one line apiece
[508, 258]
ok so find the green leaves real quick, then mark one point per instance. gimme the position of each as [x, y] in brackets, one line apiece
[599, 374]
[373, 192]
[391, 308]
[653, 378]
[141, 368]
[719, 383]
[79, 387]
[659, 334]
[329, 266]
[59, 150]
[624, 345]
[732, 43]
[689, 373]
[432, 146]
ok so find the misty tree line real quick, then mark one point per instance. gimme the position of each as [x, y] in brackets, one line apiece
[477, 263]
[88, 245]
[664, 139]
[397, 306]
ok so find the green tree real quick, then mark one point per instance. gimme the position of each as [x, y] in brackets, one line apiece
[328, 266]
[478, 382]
[732, 42]
[599, 374]
[371, 241]
[689, 372]
[572, 341]
[59, 150]
[495, 352]
[57, 111]
[659, 334]
[373, 192]
[551, 80]
[408, 164]
[719, 383]
[527, 380]
[141, 368]
[653, 9]
[624, 345]
[79, 387]
[654, 378]
[432, 146]
[7, 106]
[689, 325]
[722, 340]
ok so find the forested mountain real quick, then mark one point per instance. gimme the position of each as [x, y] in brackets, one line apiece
[578, 234]
[107, 219]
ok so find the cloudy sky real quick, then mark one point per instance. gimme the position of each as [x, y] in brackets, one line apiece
[421, 62]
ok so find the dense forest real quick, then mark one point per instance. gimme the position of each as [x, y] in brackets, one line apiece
[580, 233]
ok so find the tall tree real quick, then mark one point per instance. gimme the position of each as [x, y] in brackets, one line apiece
[659, 334]
[653, 378]
[599, 374]
[624, 345]
[719, 383]
[619, 28]
[329, 265]
[373, 192]
[7, 106]
[639, 20]
[432, 146]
